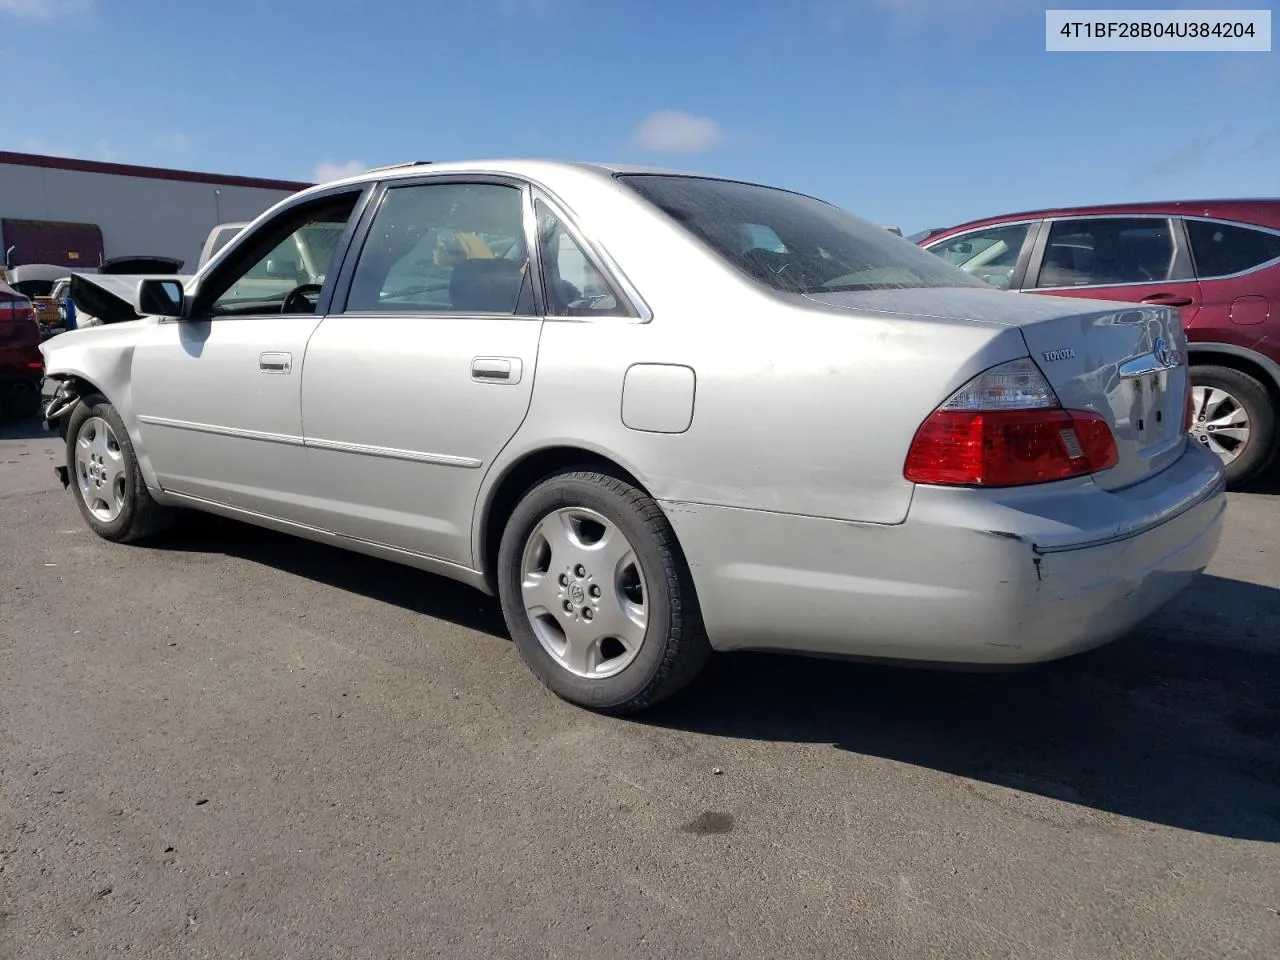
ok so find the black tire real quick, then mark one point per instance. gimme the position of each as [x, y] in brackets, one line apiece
[1260, 450]
[674, 648]
[140, 515]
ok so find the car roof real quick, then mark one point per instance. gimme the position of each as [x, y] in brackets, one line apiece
[527, 168]
[1263, 211]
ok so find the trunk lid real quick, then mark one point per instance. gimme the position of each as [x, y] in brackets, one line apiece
[1127, 362]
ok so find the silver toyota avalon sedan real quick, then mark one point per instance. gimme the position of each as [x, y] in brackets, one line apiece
[657, 415]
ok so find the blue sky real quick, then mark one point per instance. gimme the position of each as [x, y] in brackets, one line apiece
[912, 112]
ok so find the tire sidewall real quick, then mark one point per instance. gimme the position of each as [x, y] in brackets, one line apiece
[98, 406]
[655, 564]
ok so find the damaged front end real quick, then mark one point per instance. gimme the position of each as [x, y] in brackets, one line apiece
[59, 397]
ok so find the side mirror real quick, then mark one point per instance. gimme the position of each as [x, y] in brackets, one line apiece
[282, 268]
[964, 246]
[160, 298]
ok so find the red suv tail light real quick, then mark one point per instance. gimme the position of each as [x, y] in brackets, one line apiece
[1006, 428]
[18, 323]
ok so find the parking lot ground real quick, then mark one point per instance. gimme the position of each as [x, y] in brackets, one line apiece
[228, 743]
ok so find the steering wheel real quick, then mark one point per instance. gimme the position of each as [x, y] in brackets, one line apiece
[299, 293]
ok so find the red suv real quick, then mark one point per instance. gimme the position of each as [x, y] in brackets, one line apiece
[21, 364]
[1218, 261]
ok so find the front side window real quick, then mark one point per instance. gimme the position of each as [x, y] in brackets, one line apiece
[793, 243]
[1221, 249]
[990, 254]
[1108, 251]
[444, 247]
[575, 287]
[284, 267]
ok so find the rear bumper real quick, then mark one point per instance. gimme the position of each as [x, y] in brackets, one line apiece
[972, 576]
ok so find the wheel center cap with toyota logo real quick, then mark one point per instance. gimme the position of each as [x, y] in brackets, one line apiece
[576, 593]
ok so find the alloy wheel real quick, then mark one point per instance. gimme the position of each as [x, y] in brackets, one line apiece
[100, 469]
[1220, 422]
[584, 592]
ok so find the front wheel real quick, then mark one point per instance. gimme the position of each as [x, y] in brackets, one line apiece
[108, 486]
[597, 595]
[1234, 416]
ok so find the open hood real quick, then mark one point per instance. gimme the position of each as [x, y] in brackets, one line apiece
[111, 298]
[140, 264]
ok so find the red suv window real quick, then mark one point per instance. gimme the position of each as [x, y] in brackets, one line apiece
[1223, 249]
[1107, 251]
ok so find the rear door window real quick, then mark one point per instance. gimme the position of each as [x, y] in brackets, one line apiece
[1108, 251]
[1223, 249]
[445, 248]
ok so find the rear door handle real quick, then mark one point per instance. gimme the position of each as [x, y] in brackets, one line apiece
[1168, 300]
[496, 369]
[275, 362]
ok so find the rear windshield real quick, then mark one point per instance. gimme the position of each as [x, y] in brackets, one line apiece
[791, 242]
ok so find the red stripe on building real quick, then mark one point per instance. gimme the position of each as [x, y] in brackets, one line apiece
[150, 173]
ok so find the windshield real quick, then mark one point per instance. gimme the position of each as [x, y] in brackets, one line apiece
[791, 242]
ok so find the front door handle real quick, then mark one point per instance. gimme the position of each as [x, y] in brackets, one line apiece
[496, 369]
[275, 362]
[1168, 300]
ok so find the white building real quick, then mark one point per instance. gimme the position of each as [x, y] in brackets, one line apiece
[76, 213]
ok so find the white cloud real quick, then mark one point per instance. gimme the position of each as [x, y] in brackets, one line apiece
[674, 131]
[108, 153]
[174, 142]
[327, 170]
[44, 9]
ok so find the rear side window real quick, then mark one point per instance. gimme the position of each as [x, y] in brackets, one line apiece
[793, 243]
[574, 285]
[1221, 249]
[1108, 251]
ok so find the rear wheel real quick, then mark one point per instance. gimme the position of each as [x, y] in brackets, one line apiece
[108, 485]
[597, 594]
[1235, 417]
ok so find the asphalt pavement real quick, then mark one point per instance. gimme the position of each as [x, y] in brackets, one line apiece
[228, 743]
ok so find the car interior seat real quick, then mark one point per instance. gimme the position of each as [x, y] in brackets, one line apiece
[488, 285]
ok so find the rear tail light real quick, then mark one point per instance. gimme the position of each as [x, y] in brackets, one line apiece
[1006, 428]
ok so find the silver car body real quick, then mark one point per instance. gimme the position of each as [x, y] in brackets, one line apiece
[772, 430]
